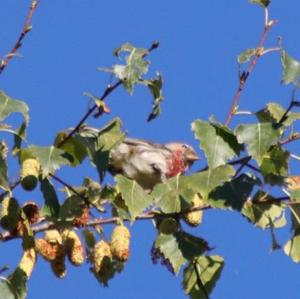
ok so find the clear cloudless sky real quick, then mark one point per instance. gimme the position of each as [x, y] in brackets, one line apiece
[197, 57]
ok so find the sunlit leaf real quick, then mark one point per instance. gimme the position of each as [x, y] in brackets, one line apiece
[258, 138]
[200, 277]
[9, 106]
[6, 290]
[246, 55]
[136, 199]
[273, 112]
[291, 68]
[263, 213]
[75, 150]
[50, 158]
[206, 181]
[292, 247]
[217, 141]
[135, 66]
[169, 195]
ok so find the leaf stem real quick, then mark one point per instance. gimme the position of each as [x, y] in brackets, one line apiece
[18, 44]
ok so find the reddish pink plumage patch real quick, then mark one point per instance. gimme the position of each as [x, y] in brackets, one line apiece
[176, 164]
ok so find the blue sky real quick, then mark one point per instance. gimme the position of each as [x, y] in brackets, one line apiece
[197, 57]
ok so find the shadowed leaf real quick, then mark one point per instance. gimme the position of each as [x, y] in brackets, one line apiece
[201, 275]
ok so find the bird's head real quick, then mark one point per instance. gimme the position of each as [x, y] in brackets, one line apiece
[185, 151]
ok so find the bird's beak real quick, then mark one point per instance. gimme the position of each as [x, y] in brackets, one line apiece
[192, 157]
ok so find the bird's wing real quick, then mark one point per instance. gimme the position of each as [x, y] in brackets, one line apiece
[144, 143]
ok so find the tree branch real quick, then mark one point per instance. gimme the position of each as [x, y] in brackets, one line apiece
[18, 44]
[37, 228]
[245, 75]
[107, 92]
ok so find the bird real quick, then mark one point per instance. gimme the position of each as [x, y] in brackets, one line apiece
[150, 163]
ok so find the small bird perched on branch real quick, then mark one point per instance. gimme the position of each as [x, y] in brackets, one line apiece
[150, 163]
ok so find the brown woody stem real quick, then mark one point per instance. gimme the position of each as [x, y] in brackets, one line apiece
[18, 44]
[245, 75]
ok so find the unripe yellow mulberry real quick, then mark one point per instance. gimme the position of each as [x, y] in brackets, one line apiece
[10, 213]
[120, 243]
[102, 261]
[28, 261]
[53, 236]
[58, 267]
[49, 251]
[29, 173]
[195, 218]
[74, 247]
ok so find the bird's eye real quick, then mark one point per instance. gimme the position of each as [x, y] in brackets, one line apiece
[185, 146]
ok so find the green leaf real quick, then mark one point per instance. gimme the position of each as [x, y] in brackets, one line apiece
[292, 247]
[50, 158]
[4, 183]
[18, 281]
[169, 195]
[6, 290]
[136, 199]
[71, 208]
[51, 207]
[217, 141]
[291, 68]
[204, 182]
[76, 151]
[9, 106]
[258, 137]
[233, 194]
[135, 66]
[178, 248]
[200, 277]
[246, 55]
[264, 214]
[274, 112]
[155, 87]
[275, 163]
[98, 143]
[263, 3]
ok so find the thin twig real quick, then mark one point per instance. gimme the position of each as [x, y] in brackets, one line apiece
[245, 75]
[18, 44]
[290, 139]
[107, 92]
